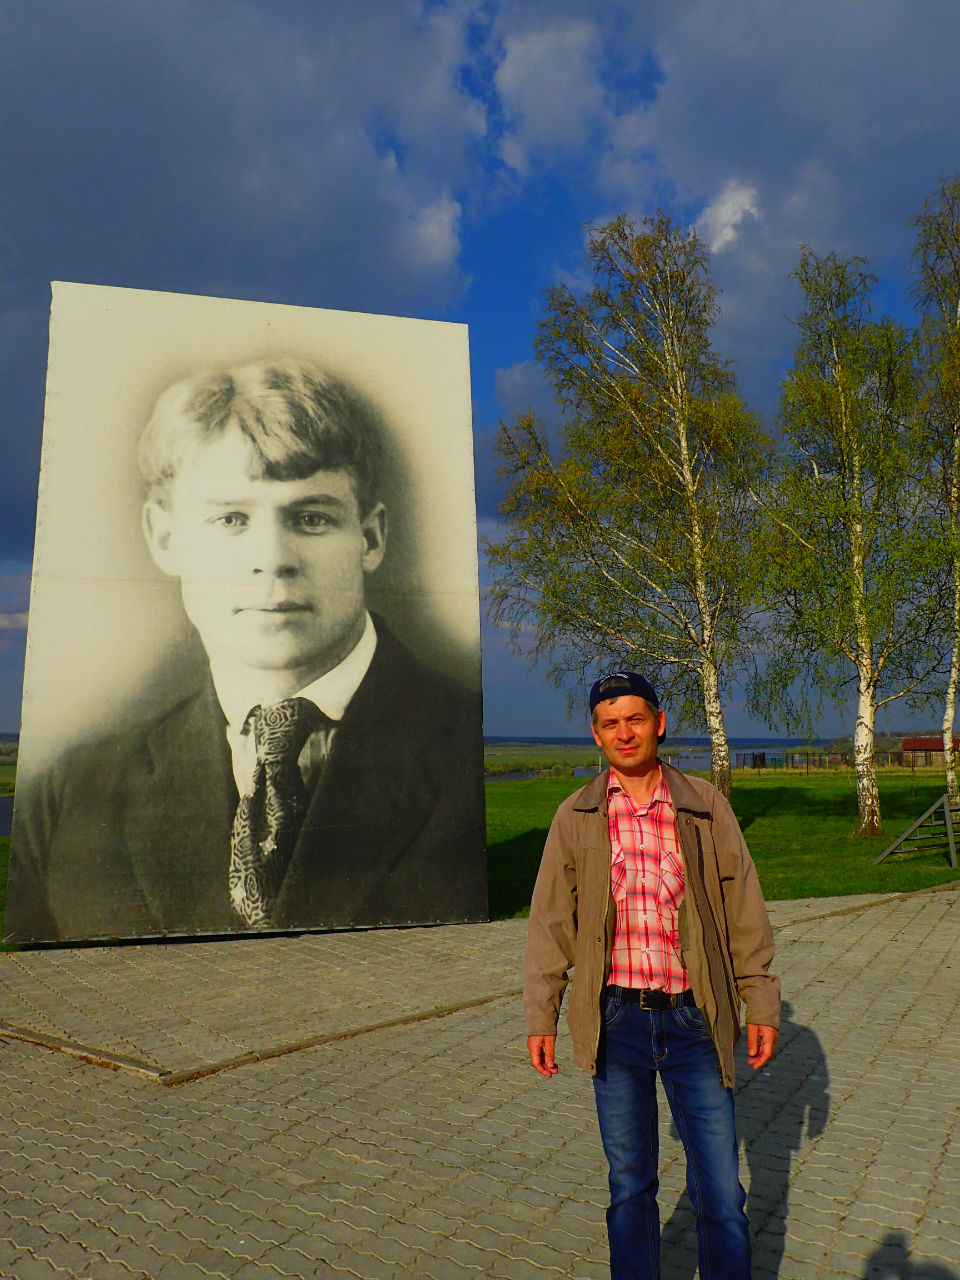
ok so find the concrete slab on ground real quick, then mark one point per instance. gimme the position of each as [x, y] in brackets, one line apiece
[175, 1009]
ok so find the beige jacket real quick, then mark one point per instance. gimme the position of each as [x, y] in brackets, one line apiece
[725, 936]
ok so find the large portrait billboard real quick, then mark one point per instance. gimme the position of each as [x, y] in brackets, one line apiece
[252, 690]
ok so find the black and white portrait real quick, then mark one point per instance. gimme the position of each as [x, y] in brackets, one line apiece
[252, 694]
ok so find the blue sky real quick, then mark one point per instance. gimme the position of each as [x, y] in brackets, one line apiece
[440, 160]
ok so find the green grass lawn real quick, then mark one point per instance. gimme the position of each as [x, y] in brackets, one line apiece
[7, 774]
[799, 829]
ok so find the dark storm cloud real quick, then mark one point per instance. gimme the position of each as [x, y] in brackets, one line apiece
[304, 153]
[175, 139]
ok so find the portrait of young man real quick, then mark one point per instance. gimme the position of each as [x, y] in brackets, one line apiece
[316, 774]
[647, 892]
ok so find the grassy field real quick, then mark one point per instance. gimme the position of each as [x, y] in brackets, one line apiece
[799, 830]
[7, 774]
[527, 757]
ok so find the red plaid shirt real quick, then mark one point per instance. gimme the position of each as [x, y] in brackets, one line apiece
[646, 878]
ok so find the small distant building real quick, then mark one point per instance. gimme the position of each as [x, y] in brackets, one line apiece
[924, 750]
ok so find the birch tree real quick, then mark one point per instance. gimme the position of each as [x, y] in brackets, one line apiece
[629, 543]
[852, 587]
[936, 262]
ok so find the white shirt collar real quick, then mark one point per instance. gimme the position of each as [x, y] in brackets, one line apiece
[331, 692]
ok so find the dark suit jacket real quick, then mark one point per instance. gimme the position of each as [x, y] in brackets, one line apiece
[130, 836]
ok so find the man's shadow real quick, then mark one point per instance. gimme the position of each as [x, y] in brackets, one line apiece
[891, 1261]
[778, 1108]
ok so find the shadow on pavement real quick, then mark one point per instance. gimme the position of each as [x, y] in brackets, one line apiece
[786, 1104]
[891, 1261]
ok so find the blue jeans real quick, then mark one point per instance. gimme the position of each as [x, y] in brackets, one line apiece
[635, 1044]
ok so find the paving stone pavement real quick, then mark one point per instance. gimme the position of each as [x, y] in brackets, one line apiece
[428, 1148]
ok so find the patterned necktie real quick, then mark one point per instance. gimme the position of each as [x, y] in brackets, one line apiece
[268, 821]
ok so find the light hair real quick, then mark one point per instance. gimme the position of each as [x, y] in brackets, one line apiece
[298, 419]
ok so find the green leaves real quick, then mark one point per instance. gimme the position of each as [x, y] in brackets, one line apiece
[853, 587]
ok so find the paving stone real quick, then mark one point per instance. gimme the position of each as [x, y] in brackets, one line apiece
[255, 1271]
[97, 1268]
[844, 1262]
[367, 1266]
[512, 1268]
[441, 1268]
[30, 1267]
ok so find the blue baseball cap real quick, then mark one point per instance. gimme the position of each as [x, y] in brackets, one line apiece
[619, 683]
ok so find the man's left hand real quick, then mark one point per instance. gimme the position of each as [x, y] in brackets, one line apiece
[761, 1042]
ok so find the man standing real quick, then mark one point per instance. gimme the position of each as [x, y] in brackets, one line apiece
[647, 891]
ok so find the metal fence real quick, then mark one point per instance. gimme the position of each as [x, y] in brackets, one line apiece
[804, 761]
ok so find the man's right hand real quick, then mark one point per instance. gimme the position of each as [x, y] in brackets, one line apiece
[541, 1050]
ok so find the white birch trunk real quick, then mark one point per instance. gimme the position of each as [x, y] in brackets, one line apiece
[868, 795]
[719, 746]
[864, 765]
[950, 700]
[713, 709]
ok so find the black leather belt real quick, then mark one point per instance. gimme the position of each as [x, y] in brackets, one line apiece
[653, 997]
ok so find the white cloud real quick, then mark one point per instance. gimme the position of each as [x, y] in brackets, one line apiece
[550, 87]
[13, 622]
[720, 220]
[787, 96]
[333, 137]
[523, 388]
[434, 232]
[514, 154]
